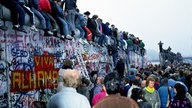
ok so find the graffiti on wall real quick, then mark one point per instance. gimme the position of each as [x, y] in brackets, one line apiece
[33, 62]
[45, 76]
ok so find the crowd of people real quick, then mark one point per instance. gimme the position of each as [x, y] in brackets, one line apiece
[151, 87]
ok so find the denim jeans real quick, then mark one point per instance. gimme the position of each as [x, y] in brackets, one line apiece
[52, 20]
[64, 30]
[40, 17]
[114, 40]
[30, 13]
[102, 39]
[21, 12]
[82, 32]
[47, 20]
[71, 19]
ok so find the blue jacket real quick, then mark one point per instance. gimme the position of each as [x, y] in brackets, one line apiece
[163, 94]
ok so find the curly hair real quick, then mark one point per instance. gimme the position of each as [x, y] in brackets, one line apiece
[71, 78]
[150, 78]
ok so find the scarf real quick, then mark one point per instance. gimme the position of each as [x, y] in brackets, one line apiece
[150, 90]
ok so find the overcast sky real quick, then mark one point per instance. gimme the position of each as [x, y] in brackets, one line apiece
[169, 21]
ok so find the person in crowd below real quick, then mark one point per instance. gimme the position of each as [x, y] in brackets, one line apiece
[93, 78]
[67, 64]
[138, 96]
[143, 83]
[138, 77]
[99, 96]
[84, 87]
[98, 86]
[70, 9]
[114, 99]
[60, 16]
[126, 86]
[171, 83]
[157, 82]
[68, 96]
[120, 67]
[135, 84]
[180, 100]
[188, 80]
[133, 69]
[26, 5]
[163, 93]
[152, 95]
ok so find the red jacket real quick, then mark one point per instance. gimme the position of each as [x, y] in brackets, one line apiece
[45, 6]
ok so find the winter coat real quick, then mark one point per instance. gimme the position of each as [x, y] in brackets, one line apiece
[45, 6]
[163, 94]
[70, 4]
[144, 104]
[153, 98]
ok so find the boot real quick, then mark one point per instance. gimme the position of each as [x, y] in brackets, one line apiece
[48, 33]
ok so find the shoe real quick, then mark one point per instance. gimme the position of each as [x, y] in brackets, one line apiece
[69, 37]
[62, 37]
[33, 28]
[72, 33]
[85, 41]
[54, 30]
[55, 34]
[15, 27]
[48, 33]
[80, 40]
[2, 27]
[21, 29]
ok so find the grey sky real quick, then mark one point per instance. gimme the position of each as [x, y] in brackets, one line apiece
[151, 20]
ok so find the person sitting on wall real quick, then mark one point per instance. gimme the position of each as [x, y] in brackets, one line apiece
[60, 17]
[16, 9]
[26, 5]
[42, 18]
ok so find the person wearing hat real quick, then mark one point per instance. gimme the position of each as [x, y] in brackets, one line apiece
[87, 13]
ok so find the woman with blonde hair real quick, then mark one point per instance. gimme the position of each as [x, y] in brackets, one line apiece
[150, 94]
